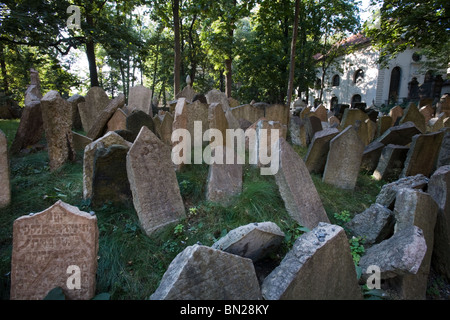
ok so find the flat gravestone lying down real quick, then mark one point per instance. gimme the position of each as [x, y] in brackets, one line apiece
[153, 182]
[50, 249]
[319, 267]
[254, 241]
[301, 199]
[203, 273]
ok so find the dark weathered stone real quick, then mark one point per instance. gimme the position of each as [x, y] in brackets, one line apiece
[399, 135]
[138, 119]
[316, 158]
[371, 156]
[391, 163]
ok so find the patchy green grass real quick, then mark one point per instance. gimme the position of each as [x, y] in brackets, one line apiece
[130, 263]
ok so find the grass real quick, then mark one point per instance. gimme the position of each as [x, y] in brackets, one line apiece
[131, 264]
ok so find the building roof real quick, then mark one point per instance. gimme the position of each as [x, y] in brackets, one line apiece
[354, 40]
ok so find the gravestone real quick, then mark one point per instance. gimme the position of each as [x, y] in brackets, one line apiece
[109, 139]
[138, 119]
[383, 124]
[157, 120]
[371, 156]
[396, 114]
[109, 179]
[423, 154]
[80, 142]
[180, 122]
[57, 121]
[391, 162]
[319, 266]
[297, 131]
[437, 123]
[412, 113]
[153, 182]
[203, 273]
[322, 113]
[140, 98]
[264, 136]
[351, 116]
[416, 208]
[334, 122]
[197, 112]
[166, 129]
[254, 241]
[50, 248]
[277, 112]
[375, 224]
[401, 254]
[439, 189]
[344, 159]
[5, 184]
[248, 112]
[31, 127]
[445, 104]
[399, 135]
[94, 102]
[188, 92]
[118, 121]
[312, 125]
[316, 158]
[224, 179]
[297, 189]
[98, 126]
[427, 112]
[76, 119]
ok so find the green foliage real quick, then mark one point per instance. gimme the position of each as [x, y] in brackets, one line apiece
[357, 248]
[343, 217]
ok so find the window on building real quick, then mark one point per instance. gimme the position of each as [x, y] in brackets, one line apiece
[358, 76]
[336, 81]
[356, 99]
[394, 87]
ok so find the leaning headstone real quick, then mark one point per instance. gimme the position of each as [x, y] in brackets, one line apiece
[51, 249]
[400, 135]
[297, 189]
[396, 114]
[138, 119]
[80, 142]
[109, 179]
[95, 101]
[319, 266]
[401, 254]
[109, 139]
[224, 178]
[203, 273]
[297, 131]
[5, 185]
[76, 119]
[322, 113]
[197, 112]
[277, 112]
[100, 123]
[118, 121]
[439, 189]
[444, 152]
[316, 158]
[312, 125]
[166, 129]
[388, 192]
[371, 156]
[416, 208]
[412, 114]
[254, 241]
[153, 182]
[344, 159]
[427, 112]
[57, 120]
[140, 98]
[248, 112]
[188, 92]
[351, 116]
[423, 154]
[383, 124]
[375, 224]
[391, 162]
[437, 123]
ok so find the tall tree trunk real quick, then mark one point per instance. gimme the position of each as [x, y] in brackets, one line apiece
[177, 46]
[90, 53]
[293, 47]
[228, 78]
[5, 83]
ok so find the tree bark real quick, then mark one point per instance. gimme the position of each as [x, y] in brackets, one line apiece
[4, 73]
[177, 47]
[293, 47]
[90, 53]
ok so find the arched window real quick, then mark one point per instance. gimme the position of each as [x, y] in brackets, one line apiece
[358, 76]
[336, 81]
[394, 87]
[333, 103]
[356, 99]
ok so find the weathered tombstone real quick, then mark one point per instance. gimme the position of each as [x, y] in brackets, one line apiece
[416, 208]
[319, 266]
[95, 101]
[427, 112]
[316, 158]
[140, 98]
[138, 119]
[344, 159]
[76, 119]
[437, 123]
[54, 248]
[444, 152]
[445, 104]
[188, 92]
[248, 112]
[312, 125]
[383, 124]
[98, 126]
[423, 154]
[396, 114]
[371, 156]
[391, 162]
[375, 224]
[439, 189]
[203, 273]
[215, 96]
[297, 131]
[351, 116]
[388, 192]
[254, 241]
[263, 139]
[224, 179]
[401, 254]
[118, 121]
[322, 113]
[109, 139]
[399, 135]
[80, 142]
[109, 179]
[277, 112]
[166, 129]
[57, 121]
[31, 127]
[157, 120]
[334, 122]
[153, 182]
[197, 112]
[412, 114]
[297, 189]
[5, 184]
